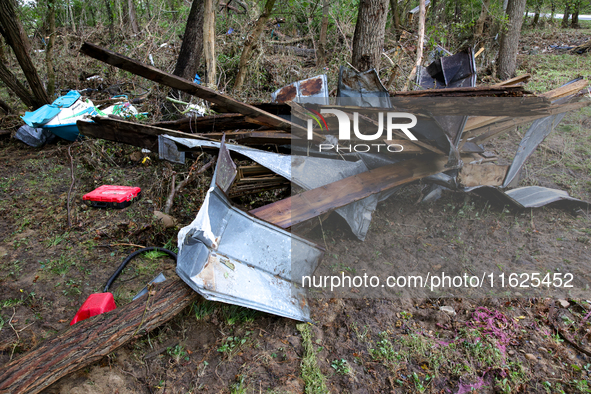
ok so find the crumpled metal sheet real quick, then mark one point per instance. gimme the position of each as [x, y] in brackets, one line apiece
[527, 197]
[230, 256]
[534, 136]
[225, 170]
[167, 150]
[278, 163]
[365, 86]
[313, 89]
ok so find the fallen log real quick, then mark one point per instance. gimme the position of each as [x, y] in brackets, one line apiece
[90, 340]
[153, 74]
[297, 51]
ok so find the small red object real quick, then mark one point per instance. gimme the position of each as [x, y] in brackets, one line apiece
[94, 305]
[109, 196]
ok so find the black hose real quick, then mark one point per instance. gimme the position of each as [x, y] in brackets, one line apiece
[131, 256]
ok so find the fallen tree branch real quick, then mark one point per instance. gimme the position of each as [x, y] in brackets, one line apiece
[71, 184]
[90, 340]
[174, 190]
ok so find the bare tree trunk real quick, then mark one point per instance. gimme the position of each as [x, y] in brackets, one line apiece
[479, 28]
[395, 17]
[110, 13]
[510, 40]
[209, 41]
[132, 17]
[18, 88]
[14, 34]
[368, 40]
[49, 48]
[575, 17]
[321, 54]
[565, 16]
[71, 16]
[420, 43]
[251, 42]
[192, 46]
[536, 16]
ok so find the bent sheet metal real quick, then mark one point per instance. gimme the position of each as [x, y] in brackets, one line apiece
[230, 256]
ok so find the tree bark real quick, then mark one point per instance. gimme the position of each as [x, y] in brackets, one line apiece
[510, 40]
[71, 16]
[575, 16]
[18, 88]
[420, 44]
[250, 44]
[321, 55]
[90, 340]
[111, 20]
[395, 17]
[192, 46]
[368, 40]
[49, 47]
[132, 17]
[209, 41]
[565, 16]
[15, 36]
[479, 28]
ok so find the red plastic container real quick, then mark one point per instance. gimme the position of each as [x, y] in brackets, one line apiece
[94, 305]
[109, 196]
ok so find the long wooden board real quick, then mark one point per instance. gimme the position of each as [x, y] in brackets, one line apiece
[153, 74]
[311, 203]
[209, 124]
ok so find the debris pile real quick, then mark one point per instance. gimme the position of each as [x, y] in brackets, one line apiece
[250, 258]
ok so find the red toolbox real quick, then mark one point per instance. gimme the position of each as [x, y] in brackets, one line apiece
[109, 196]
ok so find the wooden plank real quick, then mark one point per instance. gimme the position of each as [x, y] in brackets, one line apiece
[136, 134]
[207, 124]
[478, 91]
[90, 340]
[482, 175]
[153, 74]
[311, 203]
[409, 146]
[524, 78]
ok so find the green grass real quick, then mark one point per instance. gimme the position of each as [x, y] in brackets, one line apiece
[314, 380]
[551, 71]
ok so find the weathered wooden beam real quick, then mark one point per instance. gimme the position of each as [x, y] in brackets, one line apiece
[207, 124]
[153, 74]
[311, 203]
[90, 340]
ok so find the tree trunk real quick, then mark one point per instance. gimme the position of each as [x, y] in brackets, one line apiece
[395, 17]
[575, 17]
[191, 48]
[250, 44]
[71, 16]
[49, 48]
[536, 17]
[565, 16]
[510, 40]
[14, 34]
[420, 44]
[7, 108]
[479, 28]
[110, 13]
[321, 55]
[18, 88]
[90, 340]
[368, 40]
[209, 41]
[132, 17]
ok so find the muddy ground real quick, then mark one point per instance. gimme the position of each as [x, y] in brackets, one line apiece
[487, 343]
